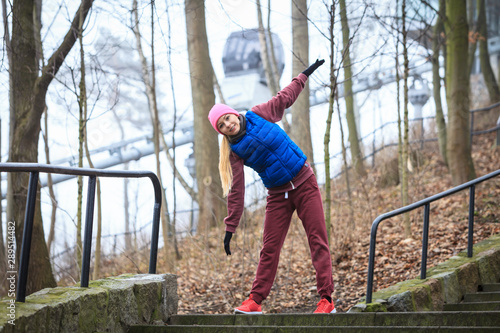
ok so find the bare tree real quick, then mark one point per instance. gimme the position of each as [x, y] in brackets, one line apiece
[174, 169]
[84, 107]
[37, 20]
[300, 131]
[351, 223]
[264, 53]
[268, 60]
[81, 154]
[398, 103]
[406, 146]
[126, 201]
[436, 79]
[149, 82]
[212, 207]
[326, 141]
[3, 265]
[457, 93]
[50, 185]
[484, 54]
[356, 156]
[272, 55]
[29, 85]
[473, 33]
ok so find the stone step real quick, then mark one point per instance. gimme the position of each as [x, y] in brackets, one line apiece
[491, 287]
[308, 329]
[473, 306]
[483, 297]
[448, 318]
[479, 312]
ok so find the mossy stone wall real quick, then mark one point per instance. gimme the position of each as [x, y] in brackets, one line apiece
[108, 305]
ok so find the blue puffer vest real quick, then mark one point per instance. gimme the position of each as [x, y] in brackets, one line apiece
[268, 150]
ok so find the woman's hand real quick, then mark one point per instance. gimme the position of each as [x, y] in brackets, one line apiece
[227, 240]
[313, 67]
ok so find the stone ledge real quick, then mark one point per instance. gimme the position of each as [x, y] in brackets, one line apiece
[108, 305]
[445, 283]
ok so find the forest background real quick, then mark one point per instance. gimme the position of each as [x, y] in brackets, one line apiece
[80, 76]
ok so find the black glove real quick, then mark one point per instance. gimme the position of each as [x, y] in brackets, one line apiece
[313, 67]
[227, 240]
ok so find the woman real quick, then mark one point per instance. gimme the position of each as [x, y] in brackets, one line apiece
[253, 139]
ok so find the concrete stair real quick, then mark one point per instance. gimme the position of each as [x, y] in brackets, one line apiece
[478, 312]
[487, 299]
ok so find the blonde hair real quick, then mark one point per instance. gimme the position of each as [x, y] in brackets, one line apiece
[225, 170]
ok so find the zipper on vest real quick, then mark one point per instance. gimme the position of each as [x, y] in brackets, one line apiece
[293, 186]
[286, 195]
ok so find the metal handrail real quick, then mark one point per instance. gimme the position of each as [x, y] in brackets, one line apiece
[34, 169]
[425, 237]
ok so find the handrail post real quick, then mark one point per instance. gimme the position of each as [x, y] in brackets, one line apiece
[470, 238]
[425, 242]
[156, 225]
[154, 239]
[87, 238]
[29, 216]
[371, 260]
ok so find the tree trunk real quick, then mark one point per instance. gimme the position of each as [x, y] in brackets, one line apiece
[457, 93]
[473, 34]
[264, 54]
[206, 144]
[356, 156]
[23, 146]
[436, 81]
[83, 106]
[300, 131]
[326, 141]
[149, 83]
[404, 158]
[398, 107]
[274, 64]
[81, 139]
[268, 61]
[351, 222]
[126, 202]
[27, 107]
[175, 174]
[3, 252]
[484, 54]
[50, 186]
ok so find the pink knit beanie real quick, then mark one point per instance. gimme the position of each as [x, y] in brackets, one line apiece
[217, 111]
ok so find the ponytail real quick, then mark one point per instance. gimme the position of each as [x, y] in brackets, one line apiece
[225, 170]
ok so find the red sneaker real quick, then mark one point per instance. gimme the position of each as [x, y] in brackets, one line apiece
[249, 307]
[325, 307]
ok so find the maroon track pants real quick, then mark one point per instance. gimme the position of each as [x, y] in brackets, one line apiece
[306, 199]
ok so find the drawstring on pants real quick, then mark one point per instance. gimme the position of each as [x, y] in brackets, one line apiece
[286, 193]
